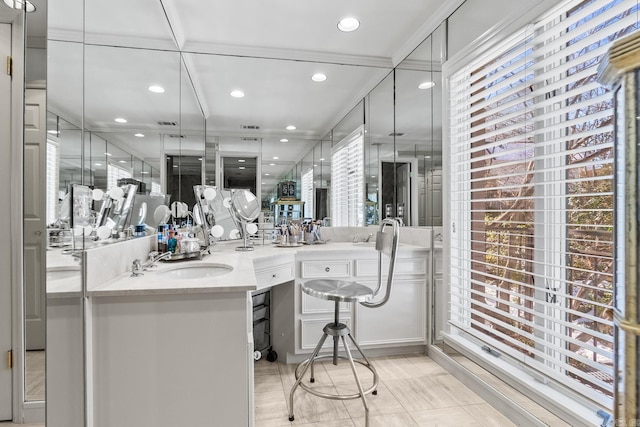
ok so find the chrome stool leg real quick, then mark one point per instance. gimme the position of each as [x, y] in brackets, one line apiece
[337, 330]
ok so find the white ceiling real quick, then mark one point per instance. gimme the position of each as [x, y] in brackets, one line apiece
[269, 49]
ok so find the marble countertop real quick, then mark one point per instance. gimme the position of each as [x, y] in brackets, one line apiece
[241, 278]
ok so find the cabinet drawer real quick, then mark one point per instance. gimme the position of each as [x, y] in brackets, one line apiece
[369, 267]
[274, 275]
[323, 269]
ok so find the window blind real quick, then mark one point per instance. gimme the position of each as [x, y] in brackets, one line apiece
[306, 193]
[114, 173]
[347, 181]
[53, 183]
[532, 196]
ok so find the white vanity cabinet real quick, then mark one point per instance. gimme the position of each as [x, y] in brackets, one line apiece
[299, 318]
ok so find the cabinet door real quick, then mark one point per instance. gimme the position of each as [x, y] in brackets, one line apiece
[401, 320]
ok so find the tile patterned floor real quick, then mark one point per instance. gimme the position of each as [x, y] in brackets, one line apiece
[35, 374]
[413, 391]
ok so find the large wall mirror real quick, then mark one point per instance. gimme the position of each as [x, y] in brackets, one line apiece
[128, 103]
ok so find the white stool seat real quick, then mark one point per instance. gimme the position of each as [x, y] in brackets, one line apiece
[337, 290]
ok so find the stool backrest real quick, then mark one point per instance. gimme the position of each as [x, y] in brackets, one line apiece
[387, 246]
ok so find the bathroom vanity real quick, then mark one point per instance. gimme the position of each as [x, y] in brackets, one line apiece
[176, 347]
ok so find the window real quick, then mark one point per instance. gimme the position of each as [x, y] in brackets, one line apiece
[532, 197]
[53, 162]
[306, 193]
[347, 197]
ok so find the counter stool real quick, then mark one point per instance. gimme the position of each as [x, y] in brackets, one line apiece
[345, 291]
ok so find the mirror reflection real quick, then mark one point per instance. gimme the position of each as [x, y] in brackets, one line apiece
[138, 112]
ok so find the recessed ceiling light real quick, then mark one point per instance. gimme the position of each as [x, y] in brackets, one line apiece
[266, 174]
[19, 4]
[427, 157]
[144, 172]
[426, 85]
[322, 159]
[275, 157]
[291, 127]
[107, 154]
[348, 24]
[373, 176]
[241, 167]
[241, 160]
[120, 120]
[139, 135]
[123, 161]
[272, 164]
[237, 93]
[262, 183]
[175, 166]
[156, 89]
[97, 164]
[284, 140]
[319, 77]
[200, 158]
[315, 166]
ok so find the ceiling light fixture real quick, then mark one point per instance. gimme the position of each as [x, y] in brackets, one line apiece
[19, 4]
[272, 164]
[426, 85]
[266, 174]
[348, 24]
[107, 154]
[139, 135]
[144, 172]
[284, 140]
[241, 167]
[120, 120]
[319, 77]
[237, 93]
[122, 161]
[322, 159]
[241, 160]
[275, 157]
[156, 89]
[97, 164]
[200, 158]
[291, 127]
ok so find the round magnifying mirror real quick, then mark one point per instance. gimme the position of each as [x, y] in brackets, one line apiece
[245, 205]
[161, 214]
[142, 214]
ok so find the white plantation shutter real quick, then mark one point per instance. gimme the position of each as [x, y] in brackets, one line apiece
[532, 197]
[347, 181]
[306, 193]
[114, 173]
[53, 162]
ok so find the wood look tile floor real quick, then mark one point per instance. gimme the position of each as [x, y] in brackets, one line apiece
[35, 375]
[413, 391]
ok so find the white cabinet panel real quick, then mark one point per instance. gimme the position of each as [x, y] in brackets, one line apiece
[403, 319]
[311, 331]
[316, 305]
[369, 267]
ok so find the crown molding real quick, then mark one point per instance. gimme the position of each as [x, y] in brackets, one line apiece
[287, 54]
[425, 30]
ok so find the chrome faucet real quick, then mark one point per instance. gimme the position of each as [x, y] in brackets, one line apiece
[138, 268]
[368, 238]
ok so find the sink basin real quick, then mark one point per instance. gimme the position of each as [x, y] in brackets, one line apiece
[57, 273]
[199, 271]
[364, 244]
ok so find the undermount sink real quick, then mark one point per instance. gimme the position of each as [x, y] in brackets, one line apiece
[57, 273]
[199, 271]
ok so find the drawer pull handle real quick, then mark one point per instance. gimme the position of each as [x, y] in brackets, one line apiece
[327, 269]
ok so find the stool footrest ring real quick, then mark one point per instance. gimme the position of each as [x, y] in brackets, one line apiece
[337, 396]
